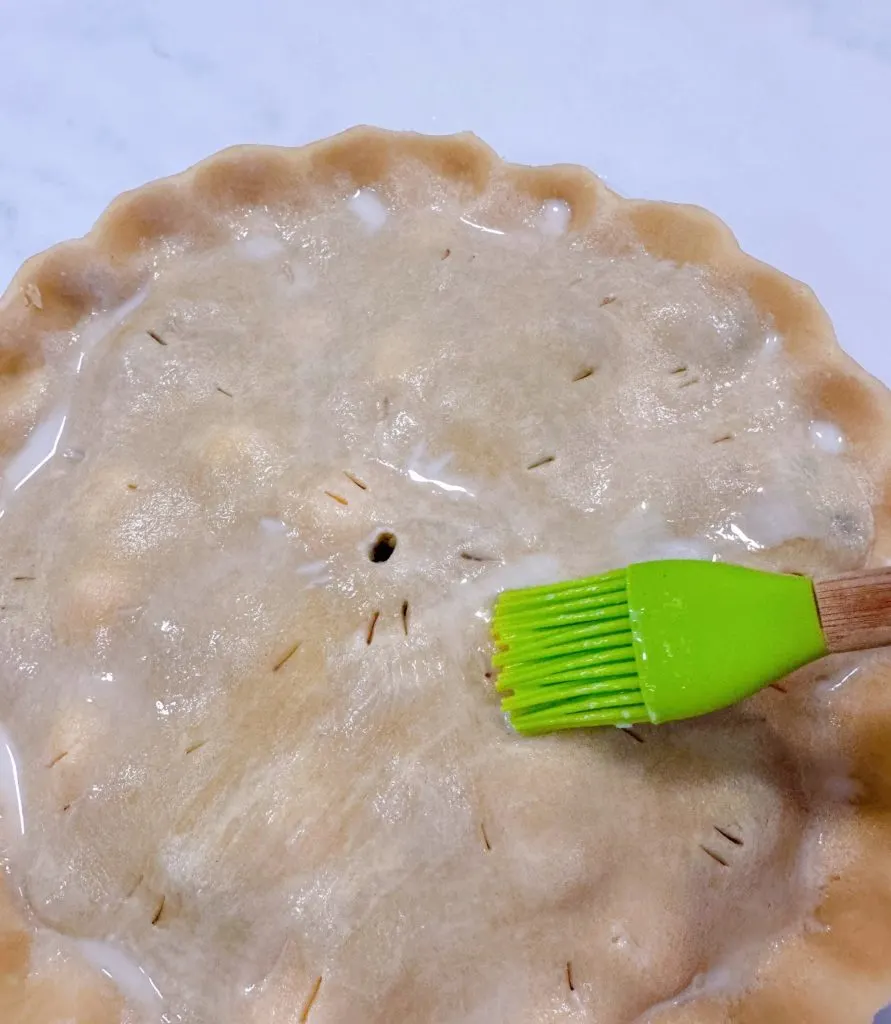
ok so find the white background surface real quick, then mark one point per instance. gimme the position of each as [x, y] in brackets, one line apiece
[776, 114]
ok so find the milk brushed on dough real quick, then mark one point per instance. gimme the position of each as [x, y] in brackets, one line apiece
[252, 757]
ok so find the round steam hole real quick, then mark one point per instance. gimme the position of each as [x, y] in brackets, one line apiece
[384, 545]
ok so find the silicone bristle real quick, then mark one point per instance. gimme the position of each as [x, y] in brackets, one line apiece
[565, 656]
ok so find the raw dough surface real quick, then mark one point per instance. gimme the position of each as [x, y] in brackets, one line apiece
[297, 449]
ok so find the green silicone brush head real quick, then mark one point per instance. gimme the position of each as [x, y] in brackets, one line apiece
[651, 643]
[566, 653]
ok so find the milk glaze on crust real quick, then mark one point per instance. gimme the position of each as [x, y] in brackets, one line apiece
[244, 667]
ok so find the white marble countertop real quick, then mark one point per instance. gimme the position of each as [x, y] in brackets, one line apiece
[772, 113]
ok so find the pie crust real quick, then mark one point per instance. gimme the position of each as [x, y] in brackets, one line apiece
[478, 877]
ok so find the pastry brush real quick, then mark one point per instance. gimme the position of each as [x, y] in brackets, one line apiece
[659, 641]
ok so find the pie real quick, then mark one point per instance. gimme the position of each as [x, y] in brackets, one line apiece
[275, 434]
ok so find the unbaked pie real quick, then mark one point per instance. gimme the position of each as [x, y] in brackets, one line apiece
[274, 435]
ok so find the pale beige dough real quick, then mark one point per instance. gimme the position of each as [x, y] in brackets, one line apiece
[273, 771]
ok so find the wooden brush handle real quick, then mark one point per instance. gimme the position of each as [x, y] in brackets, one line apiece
[855, 609]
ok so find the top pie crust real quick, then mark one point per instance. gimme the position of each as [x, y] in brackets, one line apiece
[268, 773]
